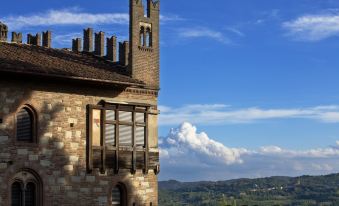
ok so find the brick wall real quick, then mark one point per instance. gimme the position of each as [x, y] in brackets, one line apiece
[59, 157]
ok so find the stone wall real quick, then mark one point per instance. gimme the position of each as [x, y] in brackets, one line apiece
[59, 156]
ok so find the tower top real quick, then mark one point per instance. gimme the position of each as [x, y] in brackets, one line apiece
[144, 41]
[3, 31]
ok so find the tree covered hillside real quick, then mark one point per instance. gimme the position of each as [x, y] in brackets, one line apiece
[305, 190]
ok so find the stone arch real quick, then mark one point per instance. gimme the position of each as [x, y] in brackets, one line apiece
[26, 124]
[26, 186]
[118, 195]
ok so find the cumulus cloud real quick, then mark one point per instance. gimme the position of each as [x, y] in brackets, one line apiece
[185, 149]
[313, 27]
[225, 114]
[186, 141]
[203, 32]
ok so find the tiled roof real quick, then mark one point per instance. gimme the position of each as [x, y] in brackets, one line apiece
[58, 63]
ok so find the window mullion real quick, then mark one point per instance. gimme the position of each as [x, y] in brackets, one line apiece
[103, 141]
[134, 144]
[146, 153]
[116, 169]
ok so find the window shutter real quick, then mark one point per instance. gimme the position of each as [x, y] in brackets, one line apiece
[24, 126]
[116, 196]
[30, 194]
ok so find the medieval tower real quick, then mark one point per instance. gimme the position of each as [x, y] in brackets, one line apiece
[79, 126]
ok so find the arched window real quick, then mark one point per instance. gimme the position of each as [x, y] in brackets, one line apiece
[30, 194]
[148, 38]
[25, 125]
[26, 190]
[142, 36]
[119, 196]
[16, 194]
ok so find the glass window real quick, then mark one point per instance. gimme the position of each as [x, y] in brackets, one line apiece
[125, 135]
[125, 116]
[16, 195]
[140, 136]
[96, 127]
[110, 134]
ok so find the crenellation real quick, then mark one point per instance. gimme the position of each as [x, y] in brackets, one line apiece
[16, 37]
[88, 40]
[76, 45]
[47, 39]
[99, 43]
[34, 40]
[58, 155]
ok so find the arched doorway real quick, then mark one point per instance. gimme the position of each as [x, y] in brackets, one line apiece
[119, 195]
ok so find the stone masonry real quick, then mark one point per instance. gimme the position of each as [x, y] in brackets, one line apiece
[59, 156]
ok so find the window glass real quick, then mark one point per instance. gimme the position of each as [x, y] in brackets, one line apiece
[110, 115]
[125, 116]
[16, 194]
[140, 117]
[110, 134]
[125, 135]
[96, 127]
[30, 194]
[140, 136]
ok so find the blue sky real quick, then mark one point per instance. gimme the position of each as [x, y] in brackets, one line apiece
[258, 77]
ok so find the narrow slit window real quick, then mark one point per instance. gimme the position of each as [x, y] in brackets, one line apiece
[148, 38]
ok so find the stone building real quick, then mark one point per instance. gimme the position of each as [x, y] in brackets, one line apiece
[77, 126]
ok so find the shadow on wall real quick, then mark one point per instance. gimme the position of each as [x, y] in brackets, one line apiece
[60, 162]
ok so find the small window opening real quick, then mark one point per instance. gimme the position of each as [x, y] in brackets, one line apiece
[25, 125]
[145, 5]
[142, 37]
[148, 38]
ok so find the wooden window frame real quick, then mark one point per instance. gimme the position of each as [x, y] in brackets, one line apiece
[134, 148]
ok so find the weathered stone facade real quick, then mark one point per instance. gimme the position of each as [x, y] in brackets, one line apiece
[59, 92]
[59, 156]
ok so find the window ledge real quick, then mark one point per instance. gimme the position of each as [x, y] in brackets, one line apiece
[144, 48]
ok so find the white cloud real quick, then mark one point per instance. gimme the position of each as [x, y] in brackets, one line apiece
[186, 141]
[225, 114]
[203, 32]
[185, 150]
[313, 27]
[65, 17]
[73, 16]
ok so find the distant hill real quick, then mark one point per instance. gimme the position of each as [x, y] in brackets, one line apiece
[289, 191]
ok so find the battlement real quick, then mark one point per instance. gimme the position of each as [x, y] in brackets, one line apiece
[140, 55]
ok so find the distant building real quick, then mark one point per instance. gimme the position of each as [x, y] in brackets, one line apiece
[77, 126]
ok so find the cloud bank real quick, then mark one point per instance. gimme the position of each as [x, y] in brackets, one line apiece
[313, 27]
[188, 155]
[216, 114]
[65, 17]
[73, 16]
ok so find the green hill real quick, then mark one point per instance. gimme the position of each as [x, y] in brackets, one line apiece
[305, 190]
